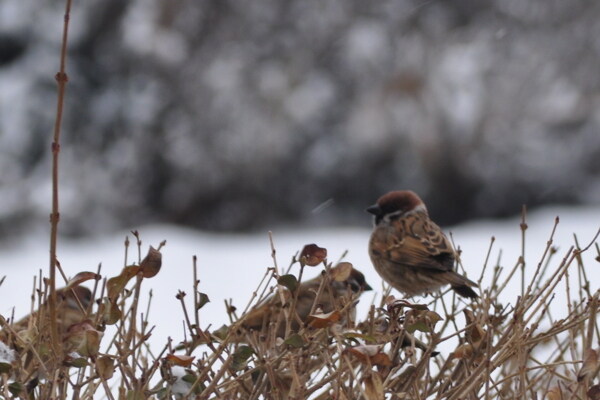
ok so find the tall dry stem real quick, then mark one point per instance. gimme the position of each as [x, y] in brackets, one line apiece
[62, 79]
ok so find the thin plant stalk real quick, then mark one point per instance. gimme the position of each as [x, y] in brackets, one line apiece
[62, 79]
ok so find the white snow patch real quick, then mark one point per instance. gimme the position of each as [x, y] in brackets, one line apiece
[7, 355]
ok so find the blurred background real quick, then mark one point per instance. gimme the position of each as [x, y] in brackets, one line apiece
[241, 115]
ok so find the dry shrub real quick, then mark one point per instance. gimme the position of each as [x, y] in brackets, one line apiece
[442, 348]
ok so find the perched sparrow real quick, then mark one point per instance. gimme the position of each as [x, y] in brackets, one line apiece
[409, 251]
[334, 295]
[69, 304]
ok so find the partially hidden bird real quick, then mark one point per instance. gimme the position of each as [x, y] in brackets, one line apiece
[71, 305]
[409, 251]
[334, 295]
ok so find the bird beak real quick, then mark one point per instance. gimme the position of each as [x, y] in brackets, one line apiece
[366, 287]
[374, 209]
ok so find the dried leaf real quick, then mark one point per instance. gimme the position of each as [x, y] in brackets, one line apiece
[323, 320]
[111, 313]
[5, 367]
[370, 354]
[341, 272]
[394, 305]
[417, 326]
[373, 387]
[432, 317]
[554, 393]
[289, 281]
[80, 278]
[15, 388]
[136, 395]
[105, 367]
[594, 392]
[241, 356]
[474, 332]
[221, 333]
[464, 351]
[202, 300]
[294, 340]
[312, 255]
[116, 284]
[150, 265]
[180, 360]
[421, 320]
[469, 316]
[189, 378]
[590, 365]
[381, 359]
[83, 338]
[356, 335]
[76, 362]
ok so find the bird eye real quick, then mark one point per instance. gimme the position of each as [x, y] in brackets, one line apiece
[354, 286]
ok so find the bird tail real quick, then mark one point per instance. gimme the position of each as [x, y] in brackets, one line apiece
[465, 291]
[462, 285]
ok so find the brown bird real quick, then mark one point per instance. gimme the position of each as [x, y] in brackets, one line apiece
[409, 251]
[334, 295]
[70, 309]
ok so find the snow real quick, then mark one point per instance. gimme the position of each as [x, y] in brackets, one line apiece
[7, 355]
[230, 266]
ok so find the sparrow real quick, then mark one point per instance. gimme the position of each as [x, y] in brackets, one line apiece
[334, 295]
[409, 251]
[71, 306]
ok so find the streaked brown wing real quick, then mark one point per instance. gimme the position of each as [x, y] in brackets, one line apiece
[423, 244]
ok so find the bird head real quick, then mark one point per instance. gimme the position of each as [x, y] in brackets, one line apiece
[395, 204]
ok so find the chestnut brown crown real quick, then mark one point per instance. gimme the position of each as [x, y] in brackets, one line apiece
[396, 202]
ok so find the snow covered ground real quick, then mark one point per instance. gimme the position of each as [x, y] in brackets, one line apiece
[231, 266]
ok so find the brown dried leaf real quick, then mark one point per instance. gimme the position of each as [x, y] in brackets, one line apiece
[83, 338]
[474, 332]
[80, 278]
[594, 392]
[111, 313]
[421, 320]
[373, 387]
[370, 354]
[590, 365]
[469, 316]
[105, 367]
[115, 285]
[381, 359]
[150, 265]
[395, 305]
[312, 255]
[432, 317]
[464, 351]
[323, 320]
[341, 272]
[554, 393]
[180, 360]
